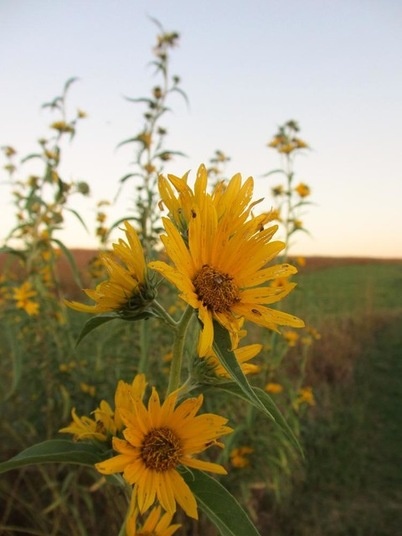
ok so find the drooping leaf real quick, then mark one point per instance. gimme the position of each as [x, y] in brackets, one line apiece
[56, 450]
[30, 157]
[219, 505]
[119, 222]
[78, 216]
[11, 251]
[241, 387]
[273, 172]
[95, 322]
[271, 407]
[130, 140]
[68, 84]
[141, 99]
[222, 347]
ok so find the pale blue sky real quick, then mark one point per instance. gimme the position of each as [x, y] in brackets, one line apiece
[334, 66]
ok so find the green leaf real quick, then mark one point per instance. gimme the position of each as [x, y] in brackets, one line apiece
[270, 406]
[128, 176]
[120, 221]
[78, 216]
[129, 140]
[56, 450]
[95, 322]
[273, 172]
[141, 99]
[6, 250]
[241, 388]
[222, 345]
[219, 505]
[30, 157]
[17, 355]
[68, 84]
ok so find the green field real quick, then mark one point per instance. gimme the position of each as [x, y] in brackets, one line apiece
[351, 481]
[353, 476]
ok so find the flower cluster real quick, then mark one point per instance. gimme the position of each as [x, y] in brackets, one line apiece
[154, 442]
[220, 257]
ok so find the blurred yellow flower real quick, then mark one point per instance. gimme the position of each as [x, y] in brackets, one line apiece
[274, 388]
[146, 139]
[88, 389]
[62, 126]
[9, 151]
[303, 190]
[22, 295]
[301, 261]
[291, 337]
[314, 332]
[305, 396]
[278, 190]
[239, 457]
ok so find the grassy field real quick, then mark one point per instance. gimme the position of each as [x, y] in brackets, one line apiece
[351, 481]
[352, 485]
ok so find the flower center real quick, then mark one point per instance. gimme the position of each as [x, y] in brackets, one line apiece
[215, 290]
[161, 449]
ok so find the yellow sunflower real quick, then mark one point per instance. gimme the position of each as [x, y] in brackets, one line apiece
[158, 439]
[156, 524]
[127, 290]
[221, 267]
[99, 428]
[232, 199]
[106, 422]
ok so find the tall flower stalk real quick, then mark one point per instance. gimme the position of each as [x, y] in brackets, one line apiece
[290, 199]
[150, 151]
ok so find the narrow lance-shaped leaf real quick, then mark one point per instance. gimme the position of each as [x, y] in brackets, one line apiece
[56, 450]
[222, 345]
[273, 172]
[95, 322]
[266, 400]
[219, 505]
[70, 259]
[78, 216]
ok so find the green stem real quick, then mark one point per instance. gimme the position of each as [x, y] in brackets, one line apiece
[178, 350]
[144, 345]
[164, 315]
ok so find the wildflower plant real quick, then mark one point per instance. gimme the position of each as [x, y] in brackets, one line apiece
[161, 448]
[42, 200]
[150, 151]
[35, 318]
[290, 198]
